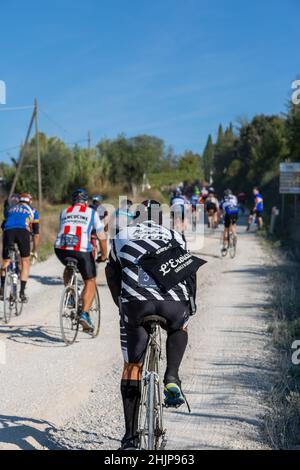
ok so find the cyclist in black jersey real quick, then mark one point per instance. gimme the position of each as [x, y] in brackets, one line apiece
[138, 295]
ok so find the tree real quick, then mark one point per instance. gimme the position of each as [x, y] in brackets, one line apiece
[208, 158]
[129, 159]
[190, 165]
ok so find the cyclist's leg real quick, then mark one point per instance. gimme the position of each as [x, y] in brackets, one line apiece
[259, 219]
[133, 344]
[177, 316]
[23, 242]
[87, 269]
[8, 240]
[250, 220]
[88, 294]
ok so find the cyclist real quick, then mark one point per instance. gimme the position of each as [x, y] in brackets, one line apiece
[257, 210]
[179, 207]
[242, 199]
[20, 220]
[230, 209]
[103, 215]
[100, 208]
[138, 296]
[212, 209]
[74, 241]
[121, 218]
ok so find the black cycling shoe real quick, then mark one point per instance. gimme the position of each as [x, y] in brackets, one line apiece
[130, 444]
[23, 298]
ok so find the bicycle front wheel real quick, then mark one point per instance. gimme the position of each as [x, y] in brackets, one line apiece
[68, 315]
[8, 300]
[95, 314]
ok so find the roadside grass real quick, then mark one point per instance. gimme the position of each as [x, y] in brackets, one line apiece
[49, 222]
[282, 422]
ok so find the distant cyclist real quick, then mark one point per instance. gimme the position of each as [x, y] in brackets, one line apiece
[121, 218]
[257, 210]
[212, 208]
[230, 209]
[100, 208]
[195, 198]
[21, 219]
[179, 208]
[74, 241]
[138, 296]
[103, 215]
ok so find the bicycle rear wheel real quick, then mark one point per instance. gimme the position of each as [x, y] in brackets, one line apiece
[223, 253]
[232, 245]
[151, 431]
[19, 303]
[95, 314]
[68, 315]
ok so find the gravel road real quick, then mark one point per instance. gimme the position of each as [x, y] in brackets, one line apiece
[57, 397]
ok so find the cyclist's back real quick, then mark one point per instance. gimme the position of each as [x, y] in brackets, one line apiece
[137, 296]
[76, 225]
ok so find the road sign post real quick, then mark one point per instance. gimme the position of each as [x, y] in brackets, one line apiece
[289, 184]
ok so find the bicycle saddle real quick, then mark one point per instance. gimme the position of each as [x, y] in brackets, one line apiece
[72, 262]
[154, 319]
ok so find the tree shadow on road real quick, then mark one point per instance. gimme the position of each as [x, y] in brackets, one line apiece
[24, 433]
[47, 280]
[34, 335]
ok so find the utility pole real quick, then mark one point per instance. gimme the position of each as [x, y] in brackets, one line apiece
[22, 155]
[38, 155]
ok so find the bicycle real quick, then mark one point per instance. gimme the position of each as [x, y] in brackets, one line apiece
[12, 303]
[232, 245]
[70, 307]
[152, 434]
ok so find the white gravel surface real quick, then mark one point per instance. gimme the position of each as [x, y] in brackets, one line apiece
[57, 397]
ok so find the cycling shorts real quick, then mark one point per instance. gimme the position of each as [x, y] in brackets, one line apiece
[134, 337]
[230, 219]
[86, 263]
[211, 206]
[18, 236]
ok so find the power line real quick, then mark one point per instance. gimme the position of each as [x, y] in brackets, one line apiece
[17, 108]
[55, 122]
[9, 149]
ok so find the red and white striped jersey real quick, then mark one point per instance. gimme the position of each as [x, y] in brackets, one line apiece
[76, 225]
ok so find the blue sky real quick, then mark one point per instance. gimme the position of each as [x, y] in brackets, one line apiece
[170, 68]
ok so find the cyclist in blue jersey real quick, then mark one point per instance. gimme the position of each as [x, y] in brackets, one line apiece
[229, 207]
[257, 210]
[21, 220]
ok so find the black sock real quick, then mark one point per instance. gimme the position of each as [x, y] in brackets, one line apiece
[131, 395]
[23, 285]
[176, 345]
[2, 281]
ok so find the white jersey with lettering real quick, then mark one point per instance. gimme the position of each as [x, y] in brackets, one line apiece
[76, 225]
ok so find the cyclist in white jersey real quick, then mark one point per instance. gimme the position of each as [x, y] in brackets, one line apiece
[74, 241]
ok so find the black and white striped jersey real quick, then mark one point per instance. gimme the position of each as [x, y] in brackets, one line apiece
[129, 245]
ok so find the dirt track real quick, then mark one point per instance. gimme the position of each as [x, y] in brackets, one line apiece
[54, 396]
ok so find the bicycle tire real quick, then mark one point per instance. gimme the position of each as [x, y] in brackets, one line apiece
[223, 254]
[95, 314]
[69, 335]
[232, 245]
[151, 412]
[19, 303]
[6, 299]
